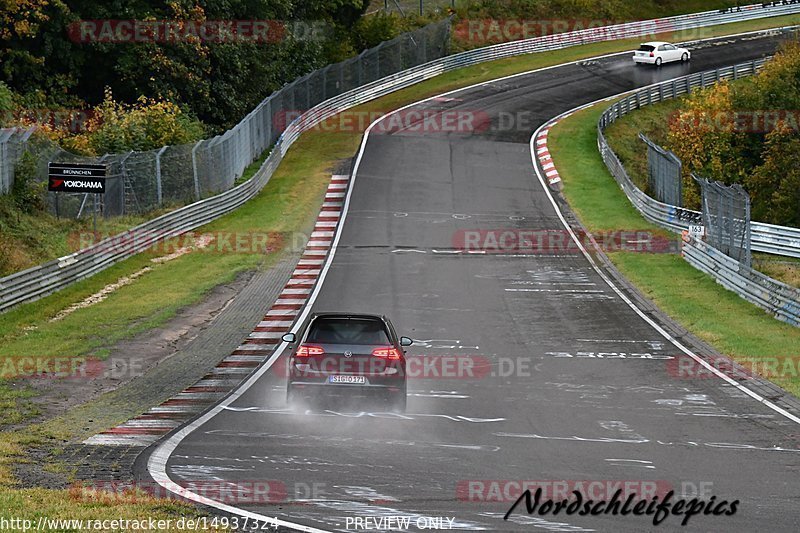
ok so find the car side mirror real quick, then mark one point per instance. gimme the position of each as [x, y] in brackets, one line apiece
[289, 337]
[406, 341]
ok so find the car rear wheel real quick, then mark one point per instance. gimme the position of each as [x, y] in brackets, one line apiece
[658, 61]
[291, 396]
[397, 403]
[685, 57]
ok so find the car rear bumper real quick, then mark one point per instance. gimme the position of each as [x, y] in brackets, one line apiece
[644, 59]
[304, 390]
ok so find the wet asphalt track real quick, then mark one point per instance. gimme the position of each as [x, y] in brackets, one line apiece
[570, 417]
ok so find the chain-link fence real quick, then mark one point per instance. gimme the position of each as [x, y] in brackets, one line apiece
[139, 182]
[726, 217]
[412, 7]
[13, 143]
[664, 169]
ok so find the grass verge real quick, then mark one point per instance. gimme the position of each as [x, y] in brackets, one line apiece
[731, 325]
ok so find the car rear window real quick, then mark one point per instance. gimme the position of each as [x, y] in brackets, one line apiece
[646, 48]
[347, 331]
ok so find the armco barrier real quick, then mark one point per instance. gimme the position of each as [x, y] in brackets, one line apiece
[779, 299]
[44, 279]
[769, 238]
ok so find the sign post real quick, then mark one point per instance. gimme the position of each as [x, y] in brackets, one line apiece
[698, 231]
[78, 177]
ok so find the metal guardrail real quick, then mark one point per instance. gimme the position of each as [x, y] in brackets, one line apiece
[779, 299]
[47, 278]
[780, 240]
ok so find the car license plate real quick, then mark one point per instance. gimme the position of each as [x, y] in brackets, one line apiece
[353, 380]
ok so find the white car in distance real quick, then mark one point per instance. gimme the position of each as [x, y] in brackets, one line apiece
[658, 52]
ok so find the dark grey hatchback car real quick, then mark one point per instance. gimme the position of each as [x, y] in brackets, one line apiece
[347, 357]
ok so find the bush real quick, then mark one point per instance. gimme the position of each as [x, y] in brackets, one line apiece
[764, 159]
[6, 105]
[27, 193]
[145, 125]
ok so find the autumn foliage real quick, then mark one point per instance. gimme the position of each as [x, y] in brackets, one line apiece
[747, 132]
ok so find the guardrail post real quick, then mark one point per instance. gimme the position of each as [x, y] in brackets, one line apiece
[194, 170]
[158, 173]
[735, 72]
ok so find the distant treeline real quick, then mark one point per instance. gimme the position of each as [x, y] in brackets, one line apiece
[215, 60]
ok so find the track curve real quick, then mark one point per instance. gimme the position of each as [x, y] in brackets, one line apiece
[573, 415]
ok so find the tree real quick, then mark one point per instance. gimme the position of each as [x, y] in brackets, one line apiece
[775, 185]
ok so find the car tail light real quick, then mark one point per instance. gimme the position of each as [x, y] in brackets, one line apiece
[388, 352]
[306, 350]
[652, 54]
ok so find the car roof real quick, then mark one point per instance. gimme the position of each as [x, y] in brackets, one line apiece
[334, 314]
[654, 43]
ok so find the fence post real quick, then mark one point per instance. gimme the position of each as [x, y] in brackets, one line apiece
[268, 122]
[23, 140]
[158, 173]
[124, 180]
[6, 166]
[194, 170]
[325, 82]
[400, 46]
[378, 60]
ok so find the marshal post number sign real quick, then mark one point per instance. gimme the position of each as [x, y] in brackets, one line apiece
[76, 177]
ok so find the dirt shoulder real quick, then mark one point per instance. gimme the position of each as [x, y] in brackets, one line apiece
[150, 368]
